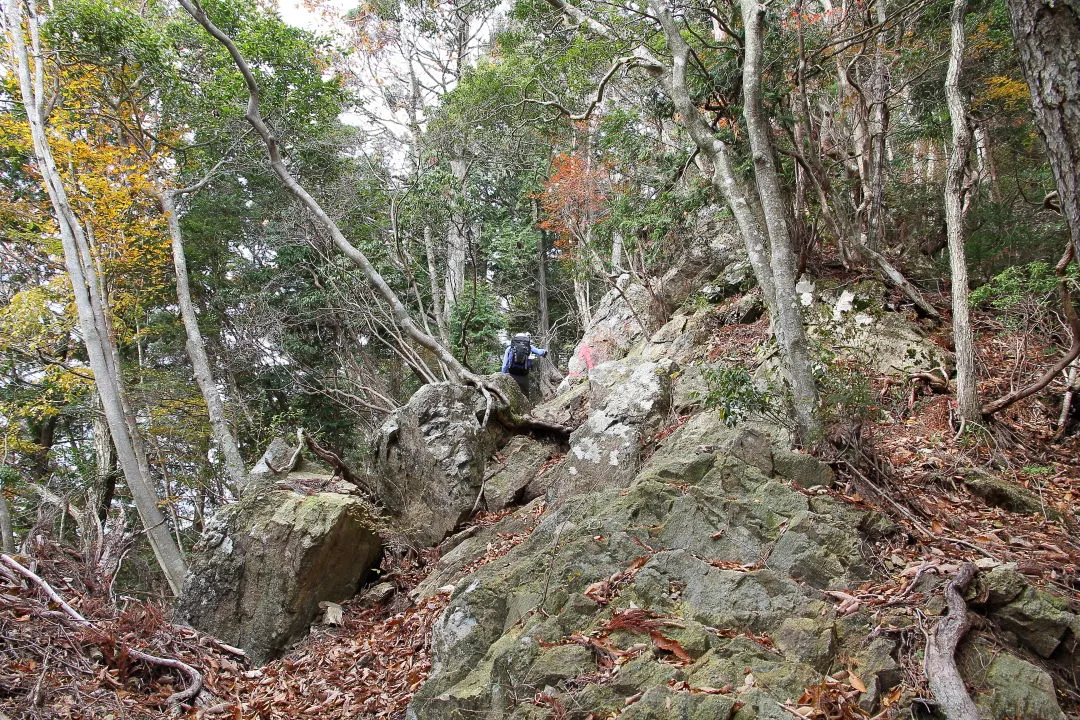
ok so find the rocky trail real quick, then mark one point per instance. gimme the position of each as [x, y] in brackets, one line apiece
[653, 561]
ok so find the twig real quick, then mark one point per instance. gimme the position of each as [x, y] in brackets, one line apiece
[914, 521]
[194, 675]
[911, 587]
[36, 697]
[53, 595]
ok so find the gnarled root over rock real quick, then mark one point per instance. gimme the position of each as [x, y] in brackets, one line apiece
[940, 664]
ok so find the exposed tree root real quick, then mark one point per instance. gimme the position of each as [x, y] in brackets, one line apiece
[331, 457]
[940, 663]
[195, 677]
[292, 462]
[528, 422]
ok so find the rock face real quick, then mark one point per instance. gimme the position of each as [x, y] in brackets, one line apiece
[627, 401]
[630, 313]
[679, 568]
[626, 315]
[432, 455]
[264, 564]
[853, 320]
[522, 459]
[1014, 688]
[706, 538]
[1041, 622]
[1002, 493]
[698, 589]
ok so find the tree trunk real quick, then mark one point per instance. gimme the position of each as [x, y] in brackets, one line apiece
[543, 325]
[46, 435]
[103, 356]
[792, 332]
[879, 133]
[967, 397]
[104, 464]
[456, 240]
[869, 135]
[617, 252]
[196, 350]
[1047, 36]
[436, 292]
[772, 265]
[581, 299]
[987, 168]
[7, 534]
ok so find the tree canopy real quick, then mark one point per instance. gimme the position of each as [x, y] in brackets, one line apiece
[267, 228]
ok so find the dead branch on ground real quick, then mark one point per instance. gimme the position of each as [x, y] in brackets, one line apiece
[193, 675]
[940, 662]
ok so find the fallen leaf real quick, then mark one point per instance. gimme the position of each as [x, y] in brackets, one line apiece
[671, 646]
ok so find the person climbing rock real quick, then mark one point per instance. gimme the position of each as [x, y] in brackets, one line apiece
[517, 360]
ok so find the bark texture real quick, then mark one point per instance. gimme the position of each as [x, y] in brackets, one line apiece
[196, 350]
[967, 398]
[7, 537]
[89, 302]
[457, 240]
[1047, 36]
[782, 262]
[940, 663]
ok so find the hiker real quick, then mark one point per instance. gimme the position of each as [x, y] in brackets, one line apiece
[517, 361]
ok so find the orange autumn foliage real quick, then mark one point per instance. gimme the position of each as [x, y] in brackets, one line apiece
[574, 198]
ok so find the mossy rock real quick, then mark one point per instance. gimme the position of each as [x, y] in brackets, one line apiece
[644, 671]
[662, 703]
[877, 666]
[741, 663]
[727, 548]
[263, 565]
[560, 662]
[1040, 621]
[804, 471]
[811, 641]
[1007, 495]
[1005, 686]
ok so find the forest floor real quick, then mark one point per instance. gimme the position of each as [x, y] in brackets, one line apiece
[899, 452]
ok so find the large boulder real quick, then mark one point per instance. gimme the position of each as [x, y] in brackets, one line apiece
[265, 563]
[860, 325]
[1005, 494]
[432, 455]
[627, 401]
